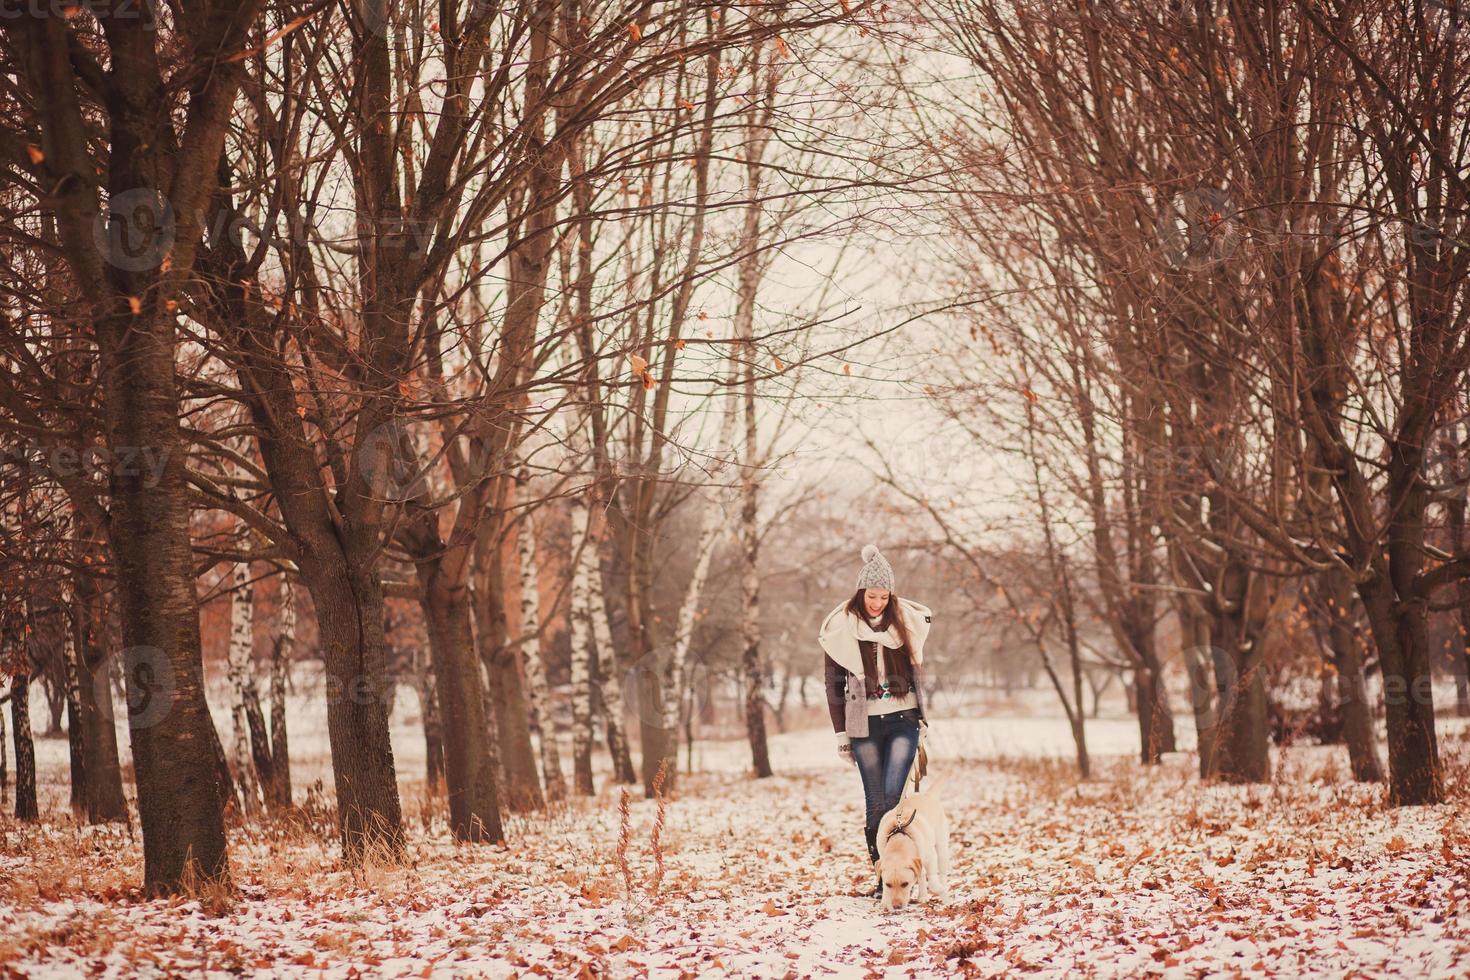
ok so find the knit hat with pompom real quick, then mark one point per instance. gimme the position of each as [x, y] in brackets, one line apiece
[876, 573]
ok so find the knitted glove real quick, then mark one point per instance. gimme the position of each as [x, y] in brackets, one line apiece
[844, 748]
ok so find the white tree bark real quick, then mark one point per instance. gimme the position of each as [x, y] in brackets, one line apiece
[492, 731]
[751, 271]
[578, 618]
[424, 683]
[76, 742]
[242, 618]
[714, 520]
[612, 685]
[542, 724]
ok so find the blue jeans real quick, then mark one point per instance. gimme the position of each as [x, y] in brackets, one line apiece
[883, 760]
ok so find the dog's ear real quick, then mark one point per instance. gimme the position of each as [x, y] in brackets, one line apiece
[878, 865]
[918, 867]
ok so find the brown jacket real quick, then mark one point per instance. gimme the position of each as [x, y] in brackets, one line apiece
[847, 701]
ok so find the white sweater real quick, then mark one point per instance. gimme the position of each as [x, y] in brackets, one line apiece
[887, 704]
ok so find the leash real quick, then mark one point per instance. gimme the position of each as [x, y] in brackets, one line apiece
[901, 828]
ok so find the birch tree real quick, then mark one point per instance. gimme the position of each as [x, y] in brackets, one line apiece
[542, 724]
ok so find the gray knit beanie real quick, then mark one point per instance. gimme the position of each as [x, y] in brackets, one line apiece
[876, 573]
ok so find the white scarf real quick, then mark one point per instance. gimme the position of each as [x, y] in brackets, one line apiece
[841, 631]
[888, 638]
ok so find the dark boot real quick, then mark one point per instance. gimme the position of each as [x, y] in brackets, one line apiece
[872, 835]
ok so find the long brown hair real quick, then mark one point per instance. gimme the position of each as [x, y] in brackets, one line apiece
[897, 663]
[889, 617]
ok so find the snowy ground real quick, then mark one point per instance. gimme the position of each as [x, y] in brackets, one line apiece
[1130, 873]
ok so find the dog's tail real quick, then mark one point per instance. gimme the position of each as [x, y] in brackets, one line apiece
[931, 783]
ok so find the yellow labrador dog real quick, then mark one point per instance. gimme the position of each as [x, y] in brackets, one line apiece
[913, 850]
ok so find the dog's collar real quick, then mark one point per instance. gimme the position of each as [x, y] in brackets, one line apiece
[902, 828]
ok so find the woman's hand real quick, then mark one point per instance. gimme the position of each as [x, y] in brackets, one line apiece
[844, 748]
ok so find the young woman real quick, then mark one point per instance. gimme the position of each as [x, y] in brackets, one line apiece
[874, 644]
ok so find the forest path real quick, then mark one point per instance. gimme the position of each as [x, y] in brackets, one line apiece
[1131, 873]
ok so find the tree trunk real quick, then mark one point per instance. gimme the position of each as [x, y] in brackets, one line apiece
[1400, 631]
[542, 722]
[54, 684]
[755, 716]
[469, 764]
[104, 798]
[1242, 739]
[4, 775]
[1456, 509]
[425, 687]
[180, 796]
[522, 785]
[260, 746]
[751, 271]
[532, 210]
[1145, 698]
[1167, 737]
[348, 600]
[242, 619]
[1358, 730]
[25, 748]
[578, 616]
[469, 768]
[281, 653]
[675, 713]
[223, 774]
[1242, 743]
[689, 723]
[334, 534]
[180, 799]
[75, 742]
[1194, 638]
[675, 699]
[609, 674]
[783, 696]
[131, 308]
[1155, 719]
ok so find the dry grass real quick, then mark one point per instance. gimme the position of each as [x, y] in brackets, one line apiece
[215, 894]
[638, 900]
[50, 861]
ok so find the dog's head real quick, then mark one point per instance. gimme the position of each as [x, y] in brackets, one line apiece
[899, 870]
